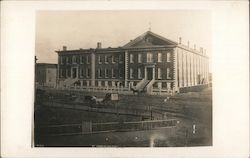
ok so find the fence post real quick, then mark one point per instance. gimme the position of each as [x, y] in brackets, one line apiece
[86, 127]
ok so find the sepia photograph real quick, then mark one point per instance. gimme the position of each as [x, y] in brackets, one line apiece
[123, 79]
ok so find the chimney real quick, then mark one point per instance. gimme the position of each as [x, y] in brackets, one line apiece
[99, 45]
[64, 48]
[188, 44]
[179, 40]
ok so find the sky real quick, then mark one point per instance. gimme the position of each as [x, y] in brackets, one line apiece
[83, 29]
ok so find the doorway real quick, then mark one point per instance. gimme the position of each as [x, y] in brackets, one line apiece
[74, 72]
[149, 73]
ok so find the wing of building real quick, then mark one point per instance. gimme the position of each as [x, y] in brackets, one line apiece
[150, 63]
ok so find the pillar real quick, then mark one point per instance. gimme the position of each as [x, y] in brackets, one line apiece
[92, 69]
[126, 68]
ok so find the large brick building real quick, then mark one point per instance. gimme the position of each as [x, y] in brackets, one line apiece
[150, 63]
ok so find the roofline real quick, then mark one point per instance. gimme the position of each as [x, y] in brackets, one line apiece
[148, 32]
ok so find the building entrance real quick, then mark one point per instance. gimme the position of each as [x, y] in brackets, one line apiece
[149, 73]
[74, 72]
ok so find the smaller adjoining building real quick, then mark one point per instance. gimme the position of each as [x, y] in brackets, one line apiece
[46, 75]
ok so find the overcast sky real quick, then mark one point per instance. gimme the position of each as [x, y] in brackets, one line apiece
[83, 29]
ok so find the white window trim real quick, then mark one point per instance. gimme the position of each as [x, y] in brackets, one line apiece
[99, 59]
[149, 57]
[113, 59]
[168, 73]
[87, 72]
[131, 58]
[159, 73]
[81, 59]
[139, 58]
[106, 73]
[106, 61]
[159, 56]
[131, 71]
[112, 73]
[74, 59]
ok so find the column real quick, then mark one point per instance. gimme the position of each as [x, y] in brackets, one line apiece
[92, 69]
[175, 69]
[126, 68]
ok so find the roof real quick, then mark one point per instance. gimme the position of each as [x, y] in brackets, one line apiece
[49, 65]
[161, 40]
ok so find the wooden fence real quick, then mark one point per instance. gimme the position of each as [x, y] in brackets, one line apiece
[90, 128]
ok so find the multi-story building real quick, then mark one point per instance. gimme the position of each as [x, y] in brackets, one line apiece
[149, 63]
[46, 74]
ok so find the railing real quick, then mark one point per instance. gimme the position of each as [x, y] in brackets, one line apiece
[150, 86]
[140, 83]
[89, 127]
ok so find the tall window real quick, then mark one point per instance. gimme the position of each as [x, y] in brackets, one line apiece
[88, 72]
[81, 59]
[61, 60]
[149, 57]
[99, 72]
[106, 59]
[99, 59]
[87, 59]
[139, 73]
[68, 73]
[139, 58]
[120, 73]
[81, 72]
[113, 73]
[168, 57]
[131, 73]
[113, 59]
[159, 57]
[159, 73]
[168, 73]
[106, 73]
[67, 60]
[73, 59]
[131, 58]
[120, 58]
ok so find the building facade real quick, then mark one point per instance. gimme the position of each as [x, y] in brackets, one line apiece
[46, 74]
[150, 63]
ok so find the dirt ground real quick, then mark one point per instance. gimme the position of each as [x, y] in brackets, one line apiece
[196, 107]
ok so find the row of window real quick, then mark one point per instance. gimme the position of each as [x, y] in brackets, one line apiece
[107, 57]
[149, 57]
[107, 73]
[86, 58]
[139, 73]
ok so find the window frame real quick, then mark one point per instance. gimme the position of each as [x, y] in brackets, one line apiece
[131, 58]
[149, 57]
[159, 57]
